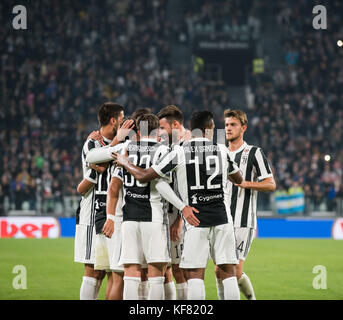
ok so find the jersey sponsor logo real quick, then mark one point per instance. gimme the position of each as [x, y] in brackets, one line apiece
[99, 204]
[29, 227]
[194, 199]
[136, 195]
[204, 199]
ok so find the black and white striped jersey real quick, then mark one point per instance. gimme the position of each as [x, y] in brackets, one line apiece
[254, 166]
[95, 199]
[142, 201]
[172, 211]
[201, 168]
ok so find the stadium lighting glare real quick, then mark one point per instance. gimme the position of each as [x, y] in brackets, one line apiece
[327, 157]
[340, 43]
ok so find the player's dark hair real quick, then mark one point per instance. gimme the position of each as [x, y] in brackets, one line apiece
[151, 119]
[202, 120]
[171, 113]
[139, 112]
[108, 111]
[134, 128]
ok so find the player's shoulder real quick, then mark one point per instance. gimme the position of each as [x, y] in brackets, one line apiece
[162, 148]
[88, 145]
[253, 148]
[117, 172]
[179, 147]
[256, 152]
[91, 144]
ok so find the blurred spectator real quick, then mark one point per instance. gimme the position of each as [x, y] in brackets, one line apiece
[74, 56]
[299, 117]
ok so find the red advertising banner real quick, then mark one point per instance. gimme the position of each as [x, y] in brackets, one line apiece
[29, 227]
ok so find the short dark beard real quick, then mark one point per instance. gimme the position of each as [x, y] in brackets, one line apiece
[233, 139]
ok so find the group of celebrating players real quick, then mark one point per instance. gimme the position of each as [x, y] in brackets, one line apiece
[159, 201]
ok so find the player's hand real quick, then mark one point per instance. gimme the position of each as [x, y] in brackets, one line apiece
[108, 228]
[125, 129]
[120, 160]
[175, 229]
[190, 217]
[187, 136]
[95, 135]
[244, 184]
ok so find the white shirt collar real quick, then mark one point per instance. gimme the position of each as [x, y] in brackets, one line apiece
[106, 140]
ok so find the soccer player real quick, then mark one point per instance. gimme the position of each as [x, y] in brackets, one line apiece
[202, 168]
[173, 131]
[107, 250]
[144, 227]
[110, 115]
[104, 155]
[243, 197]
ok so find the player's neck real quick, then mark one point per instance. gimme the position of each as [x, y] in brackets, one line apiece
[107, 132]
[236, 144]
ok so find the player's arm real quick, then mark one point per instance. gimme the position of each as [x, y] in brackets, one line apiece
[265, 176]
[168, 193]
[266, 185]
[175, 228]
[101, 155]
[236, 177]
[233, 172]
[111, 204]
[84, 186]
[142, 175]
[88, 182]
[168, 163]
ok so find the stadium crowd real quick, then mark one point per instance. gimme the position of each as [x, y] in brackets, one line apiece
[76, 55]
[296, 112]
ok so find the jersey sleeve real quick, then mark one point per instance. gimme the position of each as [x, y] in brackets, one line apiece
[168, 193]
[262, 166]
[167, 164]
[91, 175]
[104, 154]
[117, 172]
[87, 147]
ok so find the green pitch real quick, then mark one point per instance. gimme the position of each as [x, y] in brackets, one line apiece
[278, 268]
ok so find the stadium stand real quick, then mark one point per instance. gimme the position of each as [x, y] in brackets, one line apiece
[79, 54]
